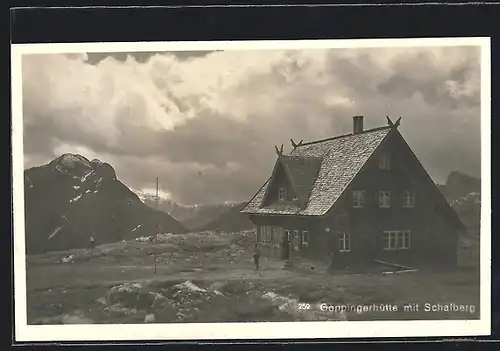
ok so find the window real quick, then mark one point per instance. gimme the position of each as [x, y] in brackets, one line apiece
[384, 162]
[384, 199]
[358, 198]
[390, 240]
[344, 242]
[404, 239]
[396, 239]
[305, 237]
[266, 234]
[282, 194]
[296, 239]
[275, 235]
[409, 199]
[287, 236]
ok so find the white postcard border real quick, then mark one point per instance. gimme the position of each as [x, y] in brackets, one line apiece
[250, 330]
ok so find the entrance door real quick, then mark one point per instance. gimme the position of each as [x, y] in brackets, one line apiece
[285, 244]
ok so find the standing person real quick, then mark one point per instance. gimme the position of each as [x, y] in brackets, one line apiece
[256, 256]
[91, 242]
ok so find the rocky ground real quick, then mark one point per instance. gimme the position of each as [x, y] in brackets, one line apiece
[208, 277]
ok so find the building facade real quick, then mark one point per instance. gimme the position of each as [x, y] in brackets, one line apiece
[353, 199]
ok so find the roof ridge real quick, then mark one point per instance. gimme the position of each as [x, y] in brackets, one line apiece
[301, 156]
[344, 135]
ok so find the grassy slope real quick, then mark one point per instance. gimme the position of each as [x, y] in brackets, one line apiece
[96, 287]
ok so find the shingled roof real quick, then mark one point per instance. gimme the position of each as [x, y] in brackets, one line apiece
[320, 171]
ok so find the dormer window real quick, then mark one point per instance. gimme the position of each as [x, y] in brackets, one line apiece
[282, 194]
[384, 161]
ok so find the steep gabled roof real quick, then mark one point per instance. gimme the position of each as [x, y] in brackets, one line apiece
[323, 169]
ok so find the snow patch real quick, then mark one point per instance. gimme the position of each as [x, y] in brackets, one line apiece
[84, 178]
[143, 239]
[150, 318]
[76, 187]
[54, 232]
[127, 287]
[67, 259]
[72, 159]
[30, 183]
[189, 286]
[76, 198]
[88, 191]
[140, 225]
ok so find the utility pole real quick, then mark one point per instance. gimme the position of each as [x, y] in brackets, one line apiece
[156, 236]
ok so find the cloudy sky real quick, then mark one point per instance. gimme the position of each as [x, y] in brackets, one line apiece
[206, 123]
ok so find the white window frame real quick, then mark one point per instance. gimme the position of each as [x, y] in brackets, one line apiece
[344, 242]
[384, 161]
[305, 237]
[390, 240]
[409, 199]
[276, 233]
[287, 235]
[404, 239]
[296, 233]
[358, 198]
[397, 240]
[282, 194]
[264, 233]
[384, 199]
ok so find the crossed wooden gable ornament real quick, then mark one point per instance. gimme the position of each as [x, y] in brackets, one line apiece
[393, 124]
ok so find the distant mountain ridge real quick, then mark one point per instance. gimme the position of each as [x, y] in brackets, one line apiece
[71, 198]
[231, 220]
[192, 217]
[463, 192]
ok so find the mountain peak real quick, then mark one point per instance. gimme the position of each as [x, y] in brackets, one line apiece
[72, 160]
[79, 166]
[72, 198]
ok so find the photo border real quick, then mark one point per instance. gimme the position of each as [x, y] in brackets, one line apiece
[247, 330]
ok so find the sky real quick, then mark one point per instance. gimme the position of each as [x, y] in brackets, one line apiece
[206, 123]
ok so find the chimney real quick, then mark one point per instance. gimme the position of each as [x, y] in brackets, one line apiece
[357, 124]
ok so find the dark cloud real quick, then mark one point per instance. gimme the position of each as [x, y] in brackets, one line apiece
[142, 57]
[207, 126]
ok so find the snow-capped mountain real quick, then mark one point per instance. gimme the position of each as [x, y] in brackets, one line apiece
[71, 198]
